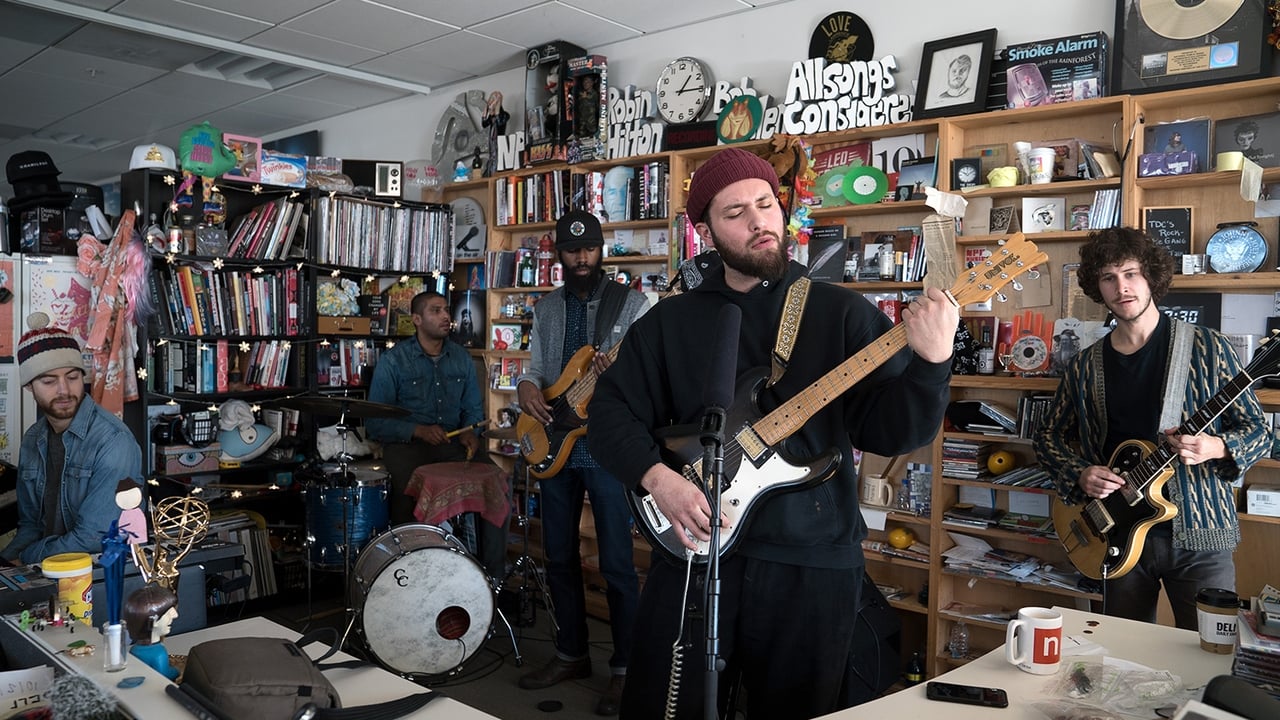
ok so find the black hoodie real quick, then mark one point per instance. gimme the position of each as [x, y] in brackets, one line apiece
[659, 377]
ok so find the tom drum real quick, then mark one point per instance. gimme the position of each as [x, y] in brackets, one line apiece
[343, 512]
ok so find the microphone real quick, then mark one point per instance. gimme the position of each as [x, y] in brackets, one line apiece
[722, 369]
[76, 697]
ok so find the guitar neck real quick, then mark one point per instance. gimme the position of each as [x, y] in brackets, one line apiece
[1155, 462]
[794, 413]
[585, 386]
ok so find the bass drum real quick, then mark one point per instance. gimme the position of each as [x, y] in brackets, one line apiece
[425, 606]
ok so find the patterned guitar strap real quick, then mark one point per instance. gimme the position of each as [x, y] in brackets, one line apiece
[789, 327]
[1175, 385]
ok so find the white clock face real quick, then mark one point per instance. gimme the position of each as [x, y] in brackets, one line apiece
[967, 173]
[683, 90]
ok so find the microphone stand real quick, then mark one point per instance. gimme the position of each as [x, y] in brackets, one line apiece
[712, 475]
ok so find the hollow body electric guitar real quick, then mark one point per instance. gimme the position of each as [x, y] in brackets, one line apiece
[1106, 536]
[755, 466]
[546, 448]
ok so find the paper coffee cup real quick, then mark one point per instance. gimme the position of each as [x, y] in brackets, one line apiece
[1040, 165]
[1033, 640]
[1217, 611]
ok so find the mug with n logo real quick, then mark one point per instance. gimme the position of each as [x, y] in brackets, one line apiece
[1033, 640]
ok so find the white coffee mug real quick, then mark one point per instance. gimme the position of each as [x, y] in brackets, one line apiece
[1033, 640]
[876, 490]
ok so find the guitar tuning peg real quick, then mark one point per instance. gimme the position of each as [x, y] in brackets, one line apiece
[1033, 274]
[1002, 297]
[1017, 285]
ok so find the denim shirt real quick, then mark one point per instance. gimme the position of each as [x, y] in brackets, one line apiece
[100, 452]
[441, 392]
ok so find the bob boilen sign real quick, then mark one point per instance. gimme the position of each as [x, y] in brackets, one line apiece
[823, 96]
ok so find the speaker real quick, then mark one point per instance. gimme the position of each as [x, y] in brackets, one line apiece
[383, 177]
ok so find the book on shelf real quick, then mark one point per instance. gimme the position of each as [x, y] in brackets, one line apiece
[972, 515]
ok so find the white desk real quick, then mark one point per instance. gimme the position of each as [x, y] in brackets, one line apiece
[1157, 646]
[356, 686]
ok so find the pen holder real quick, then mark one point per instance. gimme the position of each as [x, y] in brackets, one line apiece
[115, 646]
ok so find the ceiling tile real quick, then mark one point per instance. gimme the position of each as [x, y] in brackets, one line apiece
[61, 63]
[298, 110]
[340, 91]
[105, 166]
[192, 18]
[368, 25]
[196, 89]
[240, 121]
[655, 15]
[95, 4]
[35, 26]
[124, 116]
[413, 70]
[128, 46]
[274, 12]
[554, 21]
[466, 51]
[282, 39]
[462, 14]
[13, 132]
[14, 53]
[36, 100]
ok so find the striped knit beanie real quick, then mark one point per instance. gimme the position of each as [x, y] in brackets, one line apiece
[45, 349]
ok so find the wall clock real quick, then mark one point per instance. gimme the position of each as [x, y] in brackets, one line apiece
[684, 90]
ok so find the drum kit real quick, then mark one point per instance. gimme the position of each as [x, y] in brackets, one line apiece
[423, 605]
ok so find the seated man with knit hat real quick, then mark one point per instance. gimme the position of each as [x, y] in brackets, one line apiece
[72, 458]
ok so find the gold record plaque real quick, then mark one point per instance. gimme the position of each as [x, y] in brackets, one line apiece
[842, 37]
[1168, 44]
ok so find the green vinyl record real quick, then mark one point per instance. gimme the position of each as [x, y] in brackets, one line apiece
[831, 188]
[864, 185]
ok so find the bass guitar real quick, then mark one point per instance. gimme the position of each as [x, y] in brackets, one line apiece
[755, 465]
[1105, 536]
[546, 448]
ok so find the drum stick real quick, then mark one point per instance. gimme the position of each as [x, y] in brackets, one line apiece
[459, 431]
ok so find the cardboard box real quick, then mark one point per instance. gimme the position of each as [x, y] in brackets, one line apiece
[1263, 500]
[343, 325]
[175, 459]
[587, 109]
[546, 131]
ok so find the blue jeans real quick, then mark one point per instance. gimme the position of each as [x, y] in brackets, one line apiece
[1182, 572]
[561, 504]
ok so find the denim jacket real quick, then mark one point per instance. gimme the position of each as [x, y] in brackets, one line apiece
[100, 452]
[445, 394]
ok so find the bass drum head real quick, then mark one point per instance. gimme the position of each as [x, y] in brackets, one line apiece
[427, 612]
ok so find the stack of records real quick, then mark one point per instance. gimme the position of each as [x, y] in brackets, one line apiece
[966, 515]
[965, 459]
[1257, 655]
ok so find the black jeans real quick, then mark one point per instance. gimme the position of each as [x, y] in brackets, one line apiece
[785, 633]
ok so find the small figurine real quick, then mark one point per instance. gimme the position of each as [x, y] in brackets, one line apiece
[460, 172]
[148, 616]
[495, 119]
[133, 521]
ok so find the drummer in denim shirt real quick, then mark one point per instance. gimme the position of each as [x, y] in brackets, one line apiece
[434, 379]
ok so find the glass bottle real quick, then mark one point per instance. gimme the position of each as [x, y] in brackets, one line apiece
[959, 640]
[527, 276]
[915, 669]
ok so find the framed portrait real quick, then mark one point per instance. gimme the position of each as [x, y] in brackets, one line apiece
[1165, 44]
[1181, 136]
[1256, 136]
[954, 74]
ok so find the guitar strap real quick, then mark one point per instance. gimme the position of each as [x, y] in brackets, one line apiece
[789, 327]
[1175, 386]
[612, 297]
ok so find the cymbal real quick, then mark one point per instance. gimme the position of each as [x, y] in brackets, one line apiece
[502, 433]
[338, 405]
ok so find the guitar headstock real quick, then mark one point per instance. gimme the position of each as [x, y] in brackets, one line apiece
[1266, 359]
[1013, 257]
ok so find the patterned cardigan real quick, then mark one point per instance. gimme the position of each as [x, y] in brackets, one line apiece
[1075, 431]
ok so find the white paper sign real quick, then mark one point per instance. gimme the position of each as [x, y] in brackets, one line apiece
[21, 690]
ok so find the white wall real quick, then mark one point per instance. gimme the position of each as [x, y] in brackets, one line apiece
[761, 43]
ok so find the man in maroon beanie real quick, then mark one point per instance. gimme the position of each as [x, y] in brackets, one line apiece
[789, 588]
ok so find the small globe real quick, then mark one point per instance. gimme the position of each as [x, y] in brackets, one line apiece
[901, 538]
[1001, 461]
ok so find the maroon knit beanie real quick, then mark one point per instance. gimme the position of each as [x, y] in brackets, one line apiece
[723, 169]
